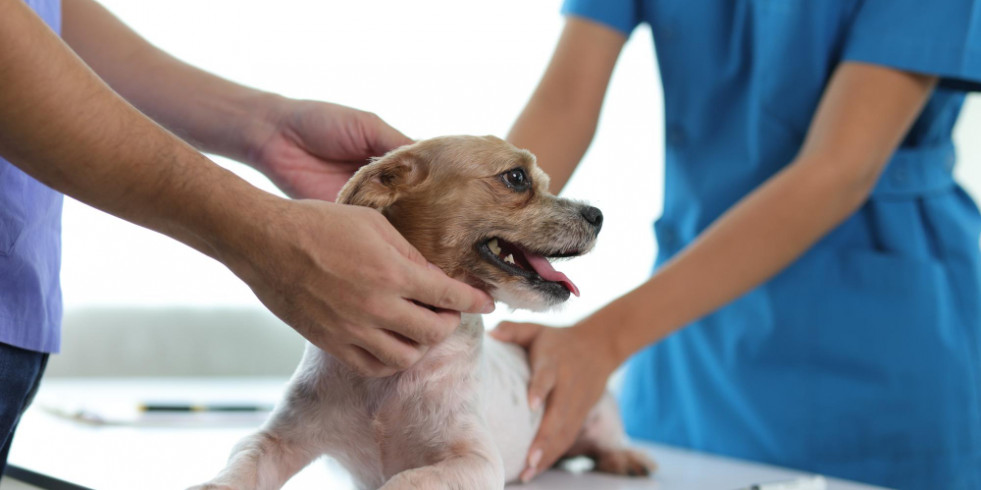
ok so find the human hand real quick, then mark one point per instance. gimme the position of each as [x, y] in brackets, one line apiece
[562, 378]
[347, 281]
[309, 149]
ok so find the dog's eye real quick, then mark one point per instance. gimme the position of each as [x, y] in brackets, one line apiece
[516, 179]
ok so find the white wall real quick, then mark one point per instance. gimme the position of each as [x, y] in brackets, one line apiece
[429, 67]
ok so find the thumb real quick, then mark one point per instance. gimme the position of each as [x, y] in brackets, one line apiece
[517, 333]
[398, 242]
[387, 138]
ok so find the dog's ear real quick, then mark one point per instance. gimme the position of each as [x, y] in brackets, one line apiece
[382, 182]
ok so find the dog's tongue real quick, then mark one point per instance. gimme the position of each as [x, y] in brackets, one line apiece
[544, 269]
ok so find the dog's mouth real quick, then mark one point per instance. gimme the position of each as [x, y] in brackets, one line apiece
[532, 266]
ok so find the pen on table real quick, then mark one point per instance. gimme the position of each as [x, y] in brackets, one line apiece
[806, 483]
[197, 408]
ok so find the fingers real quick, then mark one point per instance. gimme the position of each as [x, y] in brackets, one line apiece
[422, 325]
[389, 139]
[392, 237]
[543, 372]
[406, 334]
[386, 138]
[429, 285]
[364, 363]
[553, 437]
[432, 287]
[543, 378]
[517, 333]
[389, 349]
[541, 385]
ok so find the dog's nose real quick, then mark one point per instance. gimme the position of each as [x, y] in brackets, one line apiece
[594, 216]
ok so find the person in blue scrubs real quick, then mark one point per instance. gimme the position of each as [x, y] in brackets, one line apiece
[816, 301]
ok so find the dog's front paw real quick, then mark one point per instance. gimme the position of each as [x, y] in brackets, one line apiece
[628, 462]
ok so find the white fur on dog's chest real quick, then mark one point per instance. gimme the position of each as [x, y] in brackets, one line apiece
[471, 367]
[387, 425]
[505, 375]
[468, 376]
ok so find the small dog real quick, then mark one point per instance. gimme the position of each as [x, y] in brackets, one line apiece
[478, 208]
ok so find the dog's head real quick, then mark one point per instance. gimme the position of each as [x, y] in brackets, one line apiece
[479, 208]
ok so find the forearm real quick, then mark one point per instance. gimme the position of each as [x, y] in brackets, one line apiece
[557, 132]
[748, 245]
[213, 114]
[860, 121]
[63, 126]
[559, 121]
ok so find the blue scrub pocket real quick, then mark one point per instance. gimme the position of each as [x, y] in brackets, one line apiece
[895, 347]
[894, 303]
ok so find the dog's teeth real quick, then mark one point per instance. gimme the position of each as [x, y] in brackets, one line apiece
[494, 247]
[509, 259]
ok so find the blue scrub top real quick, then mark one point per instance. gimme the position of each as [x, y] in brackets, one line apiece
[863, 358]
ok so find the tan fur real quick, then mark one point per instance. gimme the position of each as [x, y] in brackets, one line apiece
[445, 195]
[459, 418]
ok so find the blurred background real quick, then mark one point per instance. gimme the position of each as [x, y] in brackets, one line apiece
[138, 303]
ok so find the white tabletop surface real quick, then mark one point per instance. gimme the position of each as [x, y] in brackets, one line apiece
[180, 451]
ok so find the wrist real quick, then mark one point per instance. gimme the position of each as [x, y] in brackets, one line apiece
[603, 339]
[235, 220]
[624, 326]
[241, 122]
[265, 114]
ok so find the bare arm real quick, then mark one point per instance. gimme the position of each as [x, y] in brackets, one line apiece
[62, 125]
[862, 117]
[307, 148]
[340, 275]
[213, 114]
[559, 121]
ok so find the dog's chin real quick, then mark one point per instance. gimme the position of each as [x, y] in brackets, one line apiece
[533, 298]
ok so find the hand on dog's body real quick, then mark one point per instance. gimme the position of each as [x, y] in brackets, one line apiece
[345, 279]
[560, 380]
[479, 209]
[349, 283]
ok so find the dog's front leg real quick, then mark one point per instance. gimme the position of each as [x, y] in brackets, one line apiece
[474, 463]
[264, 460]
[284, 445]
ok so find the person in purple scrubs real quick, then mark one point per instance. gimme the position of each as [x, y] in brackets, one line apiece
[94, 115]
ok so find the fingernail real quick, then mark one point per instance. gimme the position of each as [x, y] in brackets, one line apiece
[534, 403]
[534, 459]
[527, 475]
[488, 308]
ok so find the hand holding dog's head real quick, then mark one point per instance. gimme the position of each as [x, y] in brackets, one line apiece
[480, 209]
